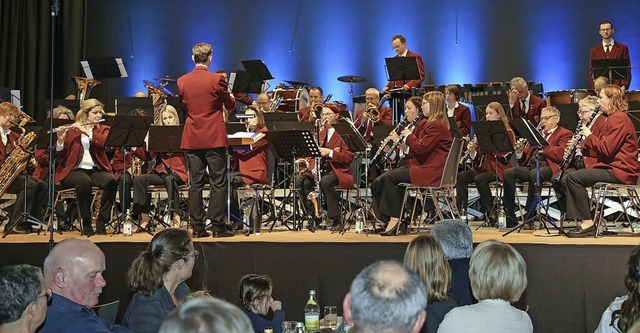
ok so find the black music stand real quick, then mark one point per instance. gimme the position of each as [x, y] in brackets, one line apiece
[251, 79]
[454, 130]
[401, 69]
[534, 139]
[613, 69]
[231, 129]
[291, 145]
[493, 138]
[166, 139]
[125, 132]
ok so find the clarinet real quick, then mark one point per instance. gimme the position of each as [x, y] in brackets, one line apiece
[385, 142]
[400, 140]
[570, 151]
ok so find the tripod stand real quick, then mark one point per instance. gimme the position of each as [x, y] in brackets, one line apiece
[25, 217]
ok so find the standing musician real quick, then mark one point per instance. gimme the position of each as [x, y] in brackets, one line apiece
[164, 169]
[523, 103]
[425, 147]
[460, 112]
[485, 173]
[583, 158]
[616, 148]
[551, 155]
[84, 163]
[205, 140]
[250, 166]
[399, 44]
[609, 49]
[306, 114]
[36, 190]
[362, 118]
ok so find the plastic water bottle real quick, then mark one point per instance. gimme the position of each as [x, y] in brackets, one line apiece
[502, 219]
[126, 228]
[312, 313]
[299, 327]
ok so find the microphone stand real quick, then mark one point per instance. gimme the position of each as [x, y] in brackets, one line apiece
[55, 13]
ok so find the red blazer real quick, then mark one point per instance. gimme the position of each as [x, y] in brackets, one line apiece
[617, 148]
[489, 160]
[618, 51]
[174, 161]
[462, 116]
[305, 116]
[386, 119]
[6, 150]
[342, 157]
[429, 145]
[536, 104]
[203, 94]
[42, 164]
[554, 152]
[590, 157]
[71, 155]
[117, 161]
[410, 83]
[252, 164]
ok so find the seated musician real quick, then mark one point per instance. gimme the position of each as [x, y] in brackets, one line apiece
[249, 167]
[306, 114]
[36, 190]
[582, 158]
[551, 155]
[164, 169]
[139, 156]
[459, 112]
[84, 163]
[425, 149]
[362, 119]
[616, 148]
[42, 154]
[485, 172]
[524, 104]
[263, 103]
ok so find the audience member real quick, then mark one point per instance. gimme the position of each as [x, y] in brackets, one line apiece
[73, 270]
[21, 309]
[498, 276]
[207, 315]
[624, 311]
[455, 238]
[425, 257]
[386, 297]
[254, 296]
[157, 277]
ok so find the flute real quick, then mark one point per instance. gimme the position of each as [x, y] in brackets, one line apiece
[68, 126]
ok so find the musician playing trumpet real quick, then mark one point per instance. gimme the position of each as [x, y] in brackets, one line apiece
[549, 158]
[363, 121]
[307, 114]
[487, 167]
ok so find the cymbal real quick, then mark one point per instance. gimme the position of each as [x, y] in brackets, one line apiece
[351, 79]
[296, 83]
[166, 79]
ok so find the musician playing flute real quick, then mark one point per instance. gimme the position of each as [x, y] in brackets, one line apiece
[425, 148]
[616, 147]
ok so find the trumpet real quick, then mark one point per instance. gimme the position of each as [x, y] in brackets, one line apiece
[69, 126]
[315, 107]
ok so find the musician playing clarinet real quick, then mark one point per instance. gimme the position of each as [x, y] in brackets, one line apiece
[616, 148]
[549, 158]
[425, 148]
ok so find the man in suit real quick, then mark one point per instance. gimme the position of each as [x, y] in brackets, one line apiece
[399, 43]
[552, 154]
[523, 103]
[609, 49]
[204, 139]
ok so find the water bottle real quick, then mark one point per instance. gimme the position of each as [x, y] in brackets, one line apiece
[502, 219]
[268, 329]
[312, 313]
[126, 228]
[299, 327]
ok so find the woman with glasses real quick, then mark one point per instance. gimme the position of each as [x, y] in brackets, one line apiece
[254, 297]
[157, 277]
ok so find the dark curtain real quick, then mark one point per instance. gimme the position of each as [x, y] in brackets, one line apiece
[25, 52]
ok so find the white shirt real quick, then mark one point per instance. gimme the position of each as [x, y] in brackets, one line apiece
[450, 111]
[5, 136]
[604, 45]
[330, 132]
[605, 320]
[87, 161]
[491, 315]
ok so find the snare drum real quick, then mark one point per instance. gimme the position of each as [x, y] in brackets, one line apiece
[293, 99]
[633, 95]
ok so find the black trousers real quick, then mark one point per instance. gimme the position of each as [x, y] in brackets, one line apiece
[142, 199]
[482, 180]
[522, 174]
[387, 195]
[125, 194]
[306, 184]
[36, 196]
[330, 195]
[215, 161]
[575, 192]
[82, 180]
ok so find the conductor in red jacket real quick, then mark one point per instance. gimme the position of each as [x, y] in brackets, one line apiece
[609, 49]
[204, 139]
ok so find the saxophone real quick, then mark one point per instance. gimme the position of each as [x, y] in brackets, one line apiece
[17, 160]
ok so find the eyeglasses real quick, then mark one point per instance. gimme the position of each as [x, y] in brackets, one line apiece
[580, 113]
[607, 29]
[195, 255]
[48, 295]
[547, 117]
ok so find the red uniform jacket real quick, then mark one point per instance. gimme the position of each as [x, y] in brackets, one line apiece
[410, 83]
[304, 115]
[536, 104]
[590, 157]
[554, 152]
[342, 157]
[489, 160]
[71, 155]
[252, 164]
[617, 148]
[42, 164]
[618, 51]
[203, 95]
[462, 116]
[174, 161]
[118, 165]
[5, 151]
[386, 119]
[429, 145]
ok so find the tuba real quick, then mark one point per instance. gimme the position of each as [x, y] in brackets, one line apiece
[159, 97]
[83, 86]
[17, 160]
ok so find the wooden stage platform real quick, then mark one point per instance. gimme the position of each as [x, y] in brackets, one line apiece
[571, 281]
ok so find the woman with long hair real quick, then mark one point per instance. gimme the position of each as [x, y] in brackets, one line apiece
[256, 300]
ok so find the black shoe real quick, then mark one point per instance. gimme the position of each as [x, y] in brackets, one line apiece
[222, 233]
[102, 231]
[581, 233]
[200, 233]
[336, 225]
[392, 228]
[87, 232]
[512, 221]
[237, 225]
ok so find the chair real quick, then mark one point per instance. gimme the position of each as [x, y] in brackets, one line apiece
[158, 213]
[603, 190]
[347, 206]
[444, 193]
[70, 193]
[108, 311]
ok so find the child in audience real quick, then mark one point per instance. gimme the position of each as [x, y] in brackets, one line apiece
[254, 297]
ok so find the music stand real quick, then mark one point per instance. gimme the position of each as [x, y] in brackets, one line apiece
[166, 139]
[401, 69]
[613, 69]
[291, 145]
[493, 138]
[454, 130]
[251, 79]
[125, 132]
[103, 67]
[534, 139]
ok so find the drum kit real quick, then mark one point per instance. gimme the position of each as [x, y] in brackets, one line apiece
[295, 96]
